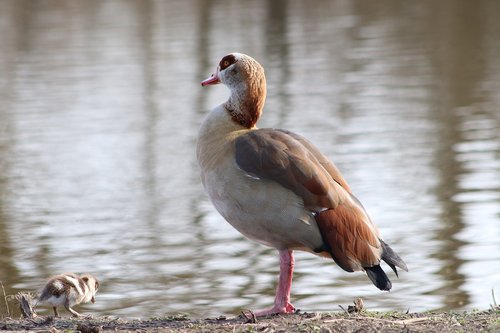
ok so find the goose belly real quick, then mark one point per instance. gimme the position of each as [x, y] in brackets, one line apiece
[262, 210]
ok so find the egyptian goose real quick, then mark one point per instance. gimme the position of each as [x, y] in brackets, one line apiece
[277, 188]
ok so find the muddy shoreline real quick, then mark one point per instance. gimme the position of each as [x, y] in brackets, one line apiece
[365, 321]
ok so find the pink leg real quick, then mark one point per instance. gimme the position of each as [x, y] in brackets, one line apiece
[282, 301]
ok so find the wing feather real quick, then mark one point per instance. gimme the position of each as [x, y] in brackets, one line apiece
[289, 159]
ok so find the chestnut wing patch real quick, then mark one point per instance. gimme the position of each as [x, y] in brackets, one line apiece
[279, 156]
[352, 242]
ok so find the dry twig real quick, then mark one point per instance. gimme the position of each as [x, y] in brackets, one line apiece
[495, 305]
[5, 299]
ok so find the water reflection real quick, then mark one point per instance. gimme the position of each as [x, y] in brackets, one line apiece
[459, 98]
[98, 121]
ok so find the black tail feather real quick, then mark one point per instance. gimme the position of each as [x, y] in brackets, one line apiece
[378, 277]
[391, 258]
[377, 274]
[393, 268]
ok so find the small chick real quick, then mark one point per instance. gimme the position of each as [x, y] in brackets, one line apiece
[69, 289]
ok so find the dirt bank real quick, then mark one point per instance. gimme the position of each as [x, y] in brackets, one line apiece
[364, 322]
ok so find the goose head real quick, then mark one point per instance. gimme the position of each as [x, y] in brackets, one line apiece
[245, 78]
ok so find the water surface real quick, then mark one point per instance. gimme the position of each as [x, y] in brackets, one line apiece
[100, 104]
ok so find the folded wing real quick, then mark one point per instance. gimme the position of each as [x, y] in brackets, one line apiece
[349, 236]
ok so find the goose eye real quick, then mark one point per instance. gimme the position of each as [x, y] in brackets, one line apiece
[227, 61]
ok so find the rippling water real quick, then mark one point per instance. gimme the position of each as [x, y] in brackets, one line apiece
[99, 109]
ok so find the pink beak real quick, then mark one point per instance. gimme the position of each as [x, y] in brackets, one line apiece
[213, 79]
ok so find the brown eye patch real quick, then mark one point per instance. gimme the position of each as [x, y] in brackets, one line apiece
[227, 61]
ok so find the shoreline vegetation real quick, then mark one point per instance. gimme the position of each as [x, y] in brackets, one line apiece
[354, 319]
